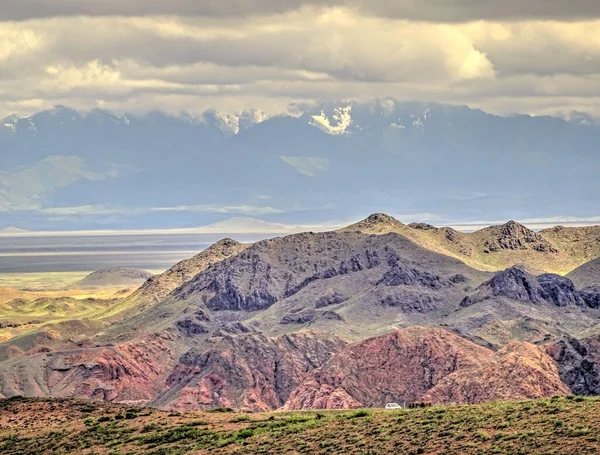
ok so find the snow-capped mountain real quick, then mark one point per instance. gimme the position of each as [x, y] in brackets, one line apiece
[343, 158]
[233, 123]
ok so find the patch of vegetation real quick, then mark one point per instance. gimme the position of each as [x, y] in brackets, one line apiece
[558, 426]
[220, 410]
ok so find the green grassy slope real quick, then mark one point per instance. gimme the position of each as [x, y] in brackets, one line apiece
[558, 426]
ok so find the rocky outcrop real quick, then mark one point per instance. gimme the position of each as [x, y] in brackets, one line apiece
[577, 366]
[519, 285]
[411, 301]
[402, 273]
[513, 283]
[422, 226]
[330, 299]
[366, 260]
[308, 316]
[591, 296]
[191, 327]
[515, 236]
[560, 290]
[457, 241]
[377, 223]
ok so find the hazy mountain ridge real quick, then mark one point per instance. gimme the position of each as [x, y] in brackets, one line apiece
[386, 148]
[115, 277]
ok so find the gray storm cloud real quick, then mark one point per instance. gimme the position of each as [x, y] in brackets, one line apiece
[426, 10]
[272, 53]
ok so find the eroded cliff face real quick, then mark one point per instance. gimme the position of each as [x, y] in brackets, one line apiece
[428, 365]
[517, 371]
[400, 366]
[133, 371]
[250, 372]
[308, 370]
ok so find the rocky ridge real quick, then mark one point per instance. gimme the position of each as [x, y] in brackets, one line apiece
[517, 284]
[341, 319]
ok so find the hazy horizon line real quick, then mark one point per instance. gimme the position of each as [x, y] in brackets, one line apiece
[282, 228]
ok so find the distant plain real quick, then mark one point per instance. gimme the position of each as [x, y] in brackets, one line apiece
[27, 258]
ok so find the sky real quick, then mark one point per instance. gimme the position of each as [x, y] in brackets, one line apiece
[503, 56]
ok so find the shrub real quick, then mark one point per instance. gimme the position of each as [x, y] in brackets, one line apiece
[358, 414]
[240, 419]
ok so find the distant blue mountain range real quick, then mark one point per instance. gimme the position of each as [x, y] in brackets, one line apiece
[64, 169]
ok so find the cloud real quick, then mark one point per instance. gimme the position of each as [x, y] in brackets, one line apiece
[232, 55]
[422, 10]
[309, 166]
[28, 9]
[223, 209]
[101, 210]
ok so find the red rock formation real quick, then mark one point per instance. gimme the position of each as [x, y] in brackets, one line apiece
[250, 371]
[133, 371]
[400, 366]
[427, 365]
[517, 371]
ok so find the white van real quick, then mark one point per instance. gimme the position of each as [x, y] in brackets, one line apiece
[393, 406]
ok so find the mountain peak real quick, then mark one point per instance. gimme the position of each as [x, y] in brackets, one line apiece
[513, 226]
[381, 218]
[239, 225]
[376, 223]
[226, 243]
[234, 123]
[335, 124]
[514, 283]
[514, 236]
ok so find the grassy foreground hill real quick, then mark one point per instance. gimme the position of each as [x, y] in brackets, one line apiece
[558, 426]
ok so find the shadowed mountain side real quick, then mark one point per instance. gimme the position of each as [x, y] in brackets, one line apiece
[514, 304]
[587, 275]
[158, 287]
[344, 283]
